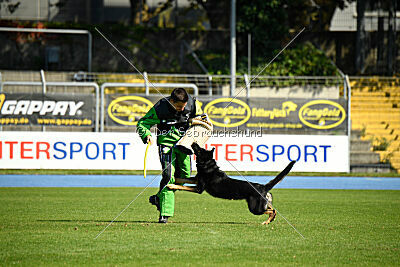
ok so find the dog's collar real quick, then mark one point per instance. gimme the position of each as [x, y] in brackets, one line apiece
[208, 166]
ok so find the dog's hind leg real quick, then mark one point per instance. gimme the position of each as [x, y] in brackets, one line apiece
[271, 212]
[271, 215]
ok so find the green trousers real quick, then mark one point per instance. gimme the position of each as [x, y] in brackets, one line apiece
[174, 164]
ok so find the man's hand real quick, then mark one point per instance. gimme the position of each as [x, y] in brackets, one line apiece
[150, 139]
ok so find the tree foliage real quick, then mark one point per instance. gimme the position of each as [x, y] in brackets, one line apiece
[265, 21]
[272, 24]
[301, 60]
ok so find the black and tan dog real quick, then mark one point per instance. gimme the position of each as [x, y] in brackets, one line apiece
[215, 182]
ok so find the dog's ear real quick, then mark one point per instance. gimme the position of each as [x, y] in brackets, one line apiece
[212, 150]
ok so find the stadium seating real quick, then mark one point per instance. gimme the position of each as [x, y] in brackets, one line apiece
[375, 112]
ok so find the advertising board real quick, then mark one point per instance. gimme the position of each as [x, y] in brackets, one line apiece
[272, 114]
[125, 151]
[48, 109]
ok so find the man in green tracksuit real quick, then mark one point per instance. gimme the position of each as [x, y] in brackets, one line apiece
[171, 115]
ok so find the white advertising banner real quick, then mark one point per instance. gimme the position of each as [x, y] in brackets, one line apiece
[125, 151]
[74, 150]
[313, 153]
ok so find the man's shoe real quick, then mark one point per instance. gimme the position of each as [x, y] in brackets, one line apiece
[163, 219]
[154, 200]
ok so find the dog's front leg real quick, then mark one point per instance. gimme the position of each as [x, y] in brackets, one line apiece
[200, 185]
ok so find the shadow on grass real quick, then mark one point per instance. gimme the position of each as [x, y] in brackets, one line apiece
[139, 222]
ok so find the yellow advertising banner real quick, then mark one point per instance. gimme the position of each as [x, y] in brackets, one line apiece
[254, 113]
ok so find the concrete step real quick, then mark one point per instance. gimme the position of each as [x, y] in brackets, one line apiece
[355, 134]
[372, 168]
[360, 145]
[363, 157]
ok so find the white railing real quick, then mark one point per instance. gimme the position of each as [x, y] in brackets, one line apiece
[130, 85]
[218, 84]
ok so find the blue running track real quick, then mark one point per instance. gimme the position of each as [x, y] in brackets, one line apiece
[299, 182]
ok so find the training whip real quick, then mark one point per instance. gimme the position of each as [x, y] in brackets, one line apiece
[145, 157]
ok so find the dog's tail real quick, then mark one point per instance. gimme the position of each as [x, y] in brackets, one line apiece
[280, 176]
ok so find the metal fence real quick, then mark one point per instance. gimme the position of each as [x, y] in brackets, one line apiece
[247, 86]
[202, 85]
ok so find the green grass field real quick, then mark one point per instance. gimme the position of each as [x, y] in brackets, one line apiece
[58, 226]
